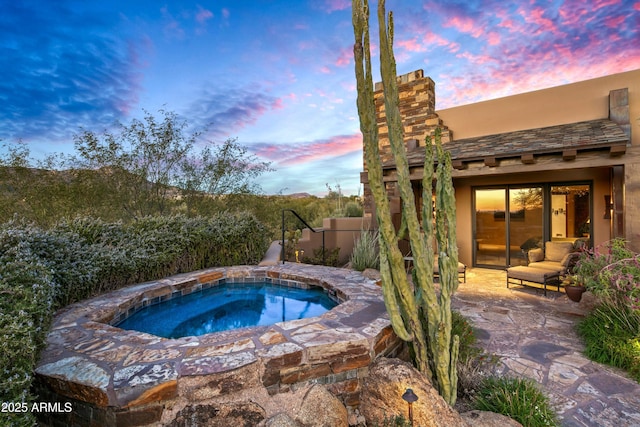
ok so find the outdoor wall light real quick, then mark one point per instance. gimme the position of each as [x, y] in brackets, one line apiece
[608, 206]
[410, 397]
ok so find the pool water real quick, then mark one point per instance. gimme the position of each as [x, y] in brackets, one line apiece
[226, 307]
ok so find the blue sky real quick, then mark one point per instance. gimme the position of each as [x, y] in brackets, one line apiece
[278, 75]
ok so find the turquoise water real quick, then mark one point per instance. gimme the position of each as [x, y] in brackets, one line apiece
[226, 307]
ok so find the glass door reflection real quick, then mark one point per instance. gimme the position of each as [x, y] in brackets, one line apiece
[526, 223]
[491, 227]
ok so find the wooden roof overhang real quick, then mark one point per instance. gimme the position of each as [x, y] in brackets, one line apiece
[525, 147]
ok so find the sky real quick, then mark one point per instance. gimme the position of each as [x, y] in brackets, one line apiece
[279, 75]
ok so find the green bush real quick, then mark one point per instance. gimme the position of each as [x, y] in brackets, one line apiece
[353, 210]
[611, 271]
[26, 299]
[365, 251]
[612, 336]
[517, 398]
[41, 270]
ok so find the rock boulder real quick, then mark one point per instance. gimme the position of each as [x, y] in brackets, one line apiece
[382, 391]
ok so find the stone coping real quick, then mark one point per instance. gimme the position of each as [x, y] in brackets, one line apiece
[89, 360]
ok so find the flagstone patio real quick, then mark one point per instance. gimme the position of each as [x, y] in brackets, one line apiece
[534, 336]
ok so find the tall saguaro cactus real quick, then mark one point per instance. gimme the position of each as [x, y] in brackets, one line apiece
[419, 312]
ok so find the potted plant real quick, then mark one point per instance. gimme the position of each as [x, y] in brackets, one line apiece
[573, 288]
[585, 272]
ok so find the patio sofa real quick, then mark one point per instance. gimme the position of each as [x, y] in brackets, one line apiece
[557, 256]
[546, 266]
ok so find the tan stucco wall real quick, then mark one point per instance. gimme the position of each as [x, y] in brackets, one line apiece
[576, 102]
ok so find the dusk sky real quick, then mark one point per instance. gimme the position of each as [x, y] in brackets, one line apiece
[279, 75]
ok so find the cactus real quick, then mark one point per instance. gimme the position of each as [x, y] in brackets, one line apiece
[419, 313]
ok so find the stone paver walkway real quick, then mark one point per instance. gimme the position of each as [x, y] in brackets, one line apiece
[535, 337]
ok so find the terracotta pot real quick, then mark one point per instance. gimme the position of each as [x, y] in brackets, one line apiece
[574, 292]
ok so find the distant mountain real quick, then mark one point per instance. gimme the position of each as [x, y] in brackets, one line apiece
[298, 195]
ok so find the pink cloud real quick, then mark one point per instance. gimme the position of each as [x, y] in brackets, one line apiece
[203, 15]
[465, 25]
[315, 150]
[543, 24]
[573, 14]
[225, 13]
[614, 21]
[493, 38]
[508, 80]
[431, 38]
[412, 45]
[636, 6]
[325, 70]
[505, 21]
[335, 5]
[476, 59]
[344, 58]
[599, 4]
[278, 104]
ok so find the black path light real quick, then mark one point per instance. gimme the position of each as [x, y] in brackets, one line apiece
[410, 397]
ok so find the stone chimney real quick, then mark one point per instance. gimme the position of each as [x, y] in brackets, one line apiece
[417, 109]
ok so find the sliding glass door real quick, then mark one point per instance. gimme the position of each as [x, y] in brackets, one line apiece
[511, 220]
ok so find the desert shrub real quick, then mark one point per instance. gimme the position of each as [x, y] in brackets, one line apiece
[517, 398]
[26, 299]
[324, 256]
[612, 336]
[365, 251]
[353, 210]
[112, 255]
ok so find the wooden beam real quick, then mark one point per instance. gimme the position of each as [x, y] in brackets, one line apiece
[617, 150]
[458, 164]
[491, 162]
[528, 159]
[569, 155]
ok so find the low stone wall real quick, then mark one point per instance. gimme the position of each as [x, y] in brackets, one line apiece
[117, 377]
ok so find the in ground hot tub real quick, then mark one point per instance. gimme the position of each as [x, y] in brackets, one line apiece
[114, 376]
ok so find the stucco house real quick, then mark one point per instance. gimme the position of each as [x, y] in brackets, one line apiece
[555, 164]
